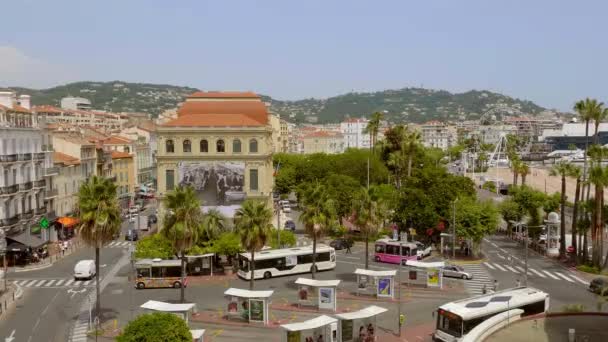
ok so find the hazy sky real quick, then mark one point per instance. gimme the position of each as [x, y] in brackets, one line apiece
[552, 52]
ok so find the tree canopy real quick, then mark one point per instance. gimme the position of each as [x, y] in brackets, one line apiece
[156, 327]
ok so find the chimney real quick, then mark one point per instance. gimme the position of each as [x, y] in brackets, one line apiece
[24, 101]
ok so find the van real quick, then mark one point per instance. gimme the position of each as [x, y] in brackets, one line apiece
[84, 269]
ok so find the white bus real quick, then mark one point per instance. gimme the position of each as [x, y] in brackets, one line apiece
[277, 262]
[456, 319]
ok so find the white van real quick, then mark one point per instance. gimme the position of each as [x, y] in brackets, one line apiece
[84, 269]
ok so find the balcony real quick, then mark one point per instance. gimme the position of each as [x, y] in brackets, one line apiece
[48, 194]
[40, 211]
[7, 222]
[9, 158]
[39, 156]
[40, 183]
[9, 190]
[26, 215]
[24, 156]
[47, 148]
[26, 186]
[51, 171]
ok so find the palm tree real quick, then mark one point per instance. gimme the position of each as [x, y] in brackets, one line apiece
[213, 224]
[576, 173]
[598, 114]
[598, 176]
[318, 216]
[372, 128]
[410, 146]
[562, 169]
[99, 215]
[369, 214]
[524, 170]
[181, 226]
[515, 166]
[253, 222]
[586, 110]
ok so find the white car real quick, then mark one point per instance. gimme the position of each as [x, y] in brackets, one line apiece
[286, 209]
[422, 250]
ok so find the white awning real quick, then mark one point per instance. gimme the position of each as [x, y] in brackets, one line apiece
[197, 333]
[166, 307]
[201, 255]
[317, 283]
[369, 311]
[314, 323]
[373, 273]
[248, 294]
[422, 264]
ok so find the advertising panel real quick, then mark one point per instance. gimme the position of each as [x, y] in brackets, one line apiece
[385, 287]
[432, 279]
[326, 298]
[347, 330]
[256, 310]
[215, 183]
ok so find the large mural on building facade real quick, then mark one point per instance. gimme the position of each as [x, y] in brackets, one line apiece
[215, 183]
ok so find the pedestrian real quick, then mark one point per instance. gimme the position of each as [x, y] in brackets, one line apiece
[518, 283]
[484, 290]
[495, 287]
[348, 251]
[62, 246]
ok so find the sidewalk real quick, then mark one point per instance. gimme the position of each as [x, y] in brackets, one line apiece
[48, 262]
[9, 297]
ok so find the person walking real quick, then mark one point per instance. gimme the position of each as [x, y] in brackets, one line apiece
[348, 251]
[484, 290]
[518, 282]
[495, 287]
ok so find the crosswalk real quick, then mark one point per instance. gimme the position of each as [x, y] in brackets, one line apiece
[480, 278]
[555, 275]
[54, 283]
[119, 244]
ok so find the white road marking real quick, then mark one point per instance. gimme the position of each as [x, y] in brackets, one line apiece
[550, 275]
[511, 269]
[50, 283]
[538, 273]
[30, 283]
[69, 282]
[86, 283]
[500, 267]
[563, 276]
[579, 279]
[489, 265]
[39, 283]
[59, 282]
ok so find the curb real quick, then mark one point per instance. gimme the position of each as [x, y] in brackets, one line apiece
[472, 262]
[34, 268]
[18, 292]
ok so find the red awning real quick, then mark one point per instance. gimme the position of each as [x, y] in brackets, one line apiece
[68, 222]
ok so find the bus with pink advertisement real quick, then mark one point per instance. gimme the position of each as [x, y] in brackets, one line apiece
[388, 251]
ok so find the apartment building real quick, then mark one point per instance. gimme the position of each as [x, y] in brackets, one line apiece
[437, 134]
[323, 142]
[67, 182]
[353, 132]
[123, 171]
[73, 118]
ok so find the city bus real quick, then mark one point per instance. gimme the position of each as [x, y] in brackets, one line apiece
[278, 262]
[154, 273]
[456, 319]
[388, 251]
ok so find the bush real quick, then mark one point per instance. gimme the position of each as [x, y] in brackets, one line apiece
[227, 244]
[288, 239]
[572, 308]
[153, 246]
[588, 269]
[156, 327]
[490, 186]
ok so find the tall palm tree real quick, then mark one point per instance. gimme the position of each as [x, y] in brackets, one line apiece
[182, 225]
[372, 128]
[598, 114]
[575, 172]
[369, 214]
[213, 224]
[99, 215]
[253, 223]
[586, 110]
[318, 216]
[598, 176]
[515, 166]
[409, 146]
[562, 169]
[524, 170]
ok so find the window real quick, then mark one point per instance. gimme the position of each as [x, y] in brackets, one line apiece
[204, 146]
[323, 257]
[157, 272]
[169, 179]
[143, 273]
[253, 146]
[392, 250]
[379, 248]
[236, 146]
[220, 146]
[187, 146]
[253, 180]
[304, 259]
[169, 146]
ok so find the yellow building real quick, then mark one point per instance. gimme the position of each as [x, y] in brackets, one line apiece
[221, 145]
[123, 173]
[323, 142]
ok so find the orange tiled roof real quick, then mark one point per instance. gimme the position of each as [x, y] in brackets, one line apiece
[62, 158]
[16, 108]
[213, 120]
[115, 140]
[47, 109]
[254, 109]
[120, 155]
[223, 94]
[4, 107]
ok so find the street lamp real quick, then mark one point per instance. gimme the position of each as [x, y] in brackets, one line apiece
[454, 231]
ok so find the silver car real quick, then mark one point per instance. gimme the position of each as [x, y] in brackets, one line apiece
[456, 272]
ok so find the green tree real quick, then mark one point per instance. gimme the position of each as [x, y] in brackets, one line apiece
[372, 128]
[156, 327]
[213, 224]
[515, 167]
[153, 246]
[288, 239]
[100, 220]
[562, 169]
[342, 190]
[511, 211]
[368, 217]
[318, 216]
[524, 171]
[576, 173]
[182, 226]
[253, 224]
[228, 244]
[411, 143]
[475, 220]
[532, 201]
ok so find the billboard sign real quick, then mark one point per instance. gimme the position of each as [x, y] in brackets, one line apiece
[215, 183]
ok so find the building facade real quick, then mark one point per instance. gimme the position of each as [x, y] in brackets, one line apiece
[353, 132]
[66, 183]
[221, 144]
[123, 171]
[75, 103]
[330, 142]
[437, 134]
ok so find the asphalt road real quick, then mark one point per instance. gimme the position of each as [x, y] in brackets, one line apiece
[52, 299]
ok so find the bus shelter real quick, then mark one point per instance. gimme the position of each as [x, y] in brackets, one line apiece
[181, 310]
[198, 335]
[378, 283]
[318, 329]
[251, 306]
[426, 274]
[359, 325]
[326, 291]
[200, 264]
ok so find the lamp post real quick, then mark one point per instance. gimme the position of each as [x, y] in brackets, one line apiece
[399, 286]
[454, 231]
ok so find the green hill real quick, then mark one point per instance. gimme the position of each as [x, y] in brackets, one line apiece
[403, 105]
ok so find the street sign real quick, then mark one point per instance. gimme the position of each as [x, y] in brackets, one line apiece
[44, 223]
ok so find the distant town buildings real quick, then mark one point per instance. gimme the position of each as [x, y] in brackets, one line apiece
[75, 103]
[330, 142]
[353, 132]
[71, 118]
[438, 134]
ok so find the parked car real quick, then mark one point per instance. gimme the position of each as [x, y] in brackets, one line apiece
[84, 269]
[134, 209]
[289, 224]
[131, 235]
[133, 217]
[152, 218]
[286, 208]
[338, 244]
[598, 284]
[455, 271]
[422, 250]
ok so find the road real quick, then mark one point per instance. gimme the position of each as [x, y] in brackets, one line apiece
[52, 298]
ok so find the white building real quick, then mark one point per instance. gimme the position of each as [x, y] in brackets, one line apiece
[352, 130]
[437, 134]
[75, 103]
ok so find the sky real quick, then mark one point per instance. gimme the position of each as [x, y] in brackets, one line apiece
[552, 52]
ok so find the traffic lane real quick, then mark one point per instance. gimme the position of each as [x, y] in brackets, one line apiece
[41, 315]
